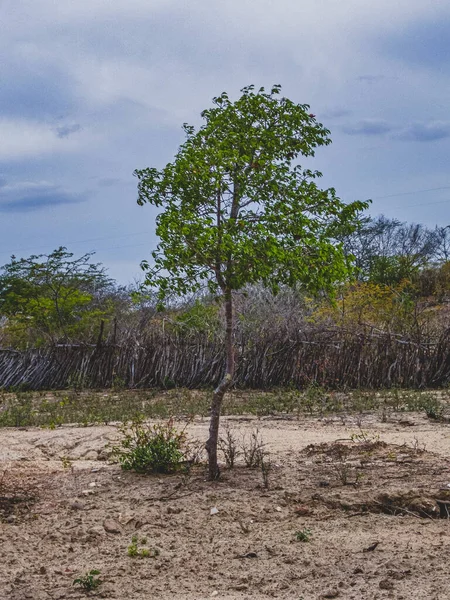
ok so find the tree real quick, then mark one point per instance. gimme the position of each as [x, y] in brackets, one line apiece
[388, 251]
[53, 297]
[236, 211]
[442, 254]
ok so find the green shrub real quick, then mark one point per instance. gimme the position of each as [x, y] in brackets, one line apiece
[144, 448]
[432, 407]
[134, 551]
[89, 581]
[303, 535]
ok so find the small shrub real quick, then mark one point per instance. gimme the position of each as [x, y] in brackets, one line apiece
[266, 469]
[157, 448]
[78, 382]
[384, 413]
[343, 472]
[365, 438]
[66, 462]
[118, 383]
[89, 581]
[134, 551]
[315, 398]
[432, 407]
[417, 447]
[253, 449]
[228, 445]
[17, 412]
[194, 453]
[304, 535]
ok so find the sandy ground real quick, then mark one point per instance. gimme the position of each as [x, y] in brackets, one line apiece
[368, 506]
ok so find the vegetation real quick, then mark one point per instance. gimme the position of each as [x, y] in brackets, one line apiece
[53, 409]
[53, 298]
[89, 581]
[60, 300]
[137, 549]
[304, 535]
[152, 448]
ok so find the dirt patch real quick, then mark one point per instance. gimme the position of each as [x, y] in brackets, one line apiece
[353, 472]
[18, 493]
[366, 510]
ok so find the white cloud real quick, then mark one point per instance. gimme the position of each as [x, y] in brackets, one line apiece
[28, 186]
[22, 139]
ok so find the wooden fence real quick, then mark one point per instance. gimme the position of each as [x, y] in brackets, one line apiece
[331, 358]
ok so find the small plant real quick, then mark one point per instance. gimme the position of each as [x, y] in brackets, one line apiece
[304, 535]
[266, 469]
[253, 450]
[417, 447]
[359, 420]
[66, 462]
[17, 412]
[118, 383]
[365, 438]
[89, 581]
[315, 398]
[432, 407]
[343, 471]
[134, 551]
[78, 382]
[228, 445]
[194, 452]
[152, 448]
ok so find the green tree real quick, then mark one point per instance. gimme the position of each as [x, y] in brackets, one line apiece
[388, 251]
[54, 297]
[236, 211]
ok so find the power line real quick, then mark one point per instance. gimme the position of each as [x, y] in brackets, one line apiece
[447, 187]
[422, 204]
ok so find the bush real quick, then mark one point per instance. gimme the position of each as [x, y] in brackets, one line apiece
[89, 581]
[432, 407]
[253, 450]
[304, 535]
[156, 448]
[228, 445]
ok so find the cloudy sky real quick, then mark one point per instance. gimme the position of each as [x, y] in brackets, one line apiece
[92, 89]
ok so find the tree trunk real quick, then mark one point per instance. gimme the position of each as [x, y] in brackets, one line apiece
[220, 391]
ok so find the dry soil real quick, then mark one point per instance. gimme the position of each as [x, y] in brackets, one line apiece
[367, 498]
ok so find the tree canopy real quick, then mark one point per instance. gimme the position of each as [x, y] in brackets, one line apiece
[236, 210]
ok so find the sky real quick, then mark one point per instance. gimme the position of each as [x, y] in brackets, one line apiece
[91, 90]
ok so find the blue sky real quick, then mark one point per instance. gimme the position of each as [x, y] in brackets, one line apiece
[92, 89]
